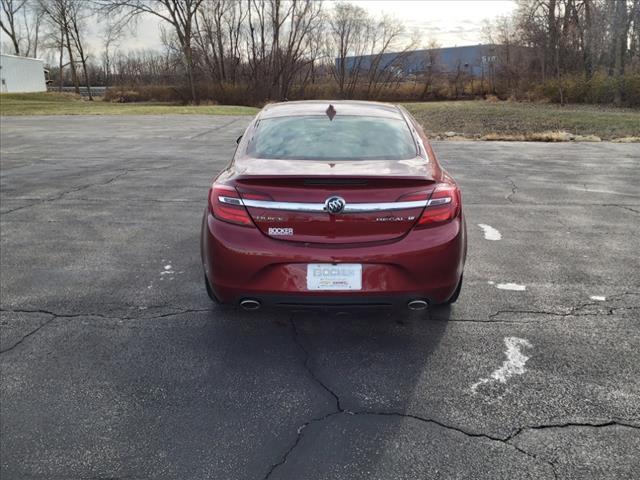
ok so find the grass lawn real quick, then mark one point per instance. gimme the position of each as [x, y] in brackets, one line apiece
[470, 118]
[522, 119]
[52, 103]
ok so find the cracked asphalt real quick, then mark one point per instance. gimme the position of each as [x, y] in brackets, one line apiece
[115, 364]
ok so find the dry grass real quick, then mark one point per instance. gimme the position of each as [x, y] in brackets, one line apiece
[526, 121]
[627, 140]
[476, 119]
[557, 136]
[54, 103]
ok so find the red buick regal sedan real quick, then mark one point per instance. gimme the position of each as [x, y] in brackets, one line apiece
[333, 204]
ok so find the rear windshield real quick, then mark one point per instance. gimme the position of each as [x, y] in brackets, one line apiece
[344, 138]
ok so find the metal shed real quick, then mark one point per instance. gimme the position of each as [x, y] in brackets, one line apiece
[21, 74]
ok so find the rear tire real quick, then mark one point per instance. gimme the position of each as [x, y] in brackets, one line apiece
[456, 294]
[212, 295]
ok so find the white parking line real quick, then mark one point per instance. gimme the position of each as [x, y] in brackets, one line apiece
[513, 365]
[490, 233]
[598, 298]
[509, 286]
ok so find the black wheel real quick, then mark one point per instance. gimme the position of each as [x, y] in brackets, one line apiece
[456, 294]
[212, 295]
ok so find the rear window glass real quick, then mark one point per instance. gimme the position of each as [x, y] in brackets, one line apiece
[344, 138]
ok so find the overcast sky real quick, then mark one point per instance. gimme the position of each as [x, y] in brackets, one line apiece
[450, 22]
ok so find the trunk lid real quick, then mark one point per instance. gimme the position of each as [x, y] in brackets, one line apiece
[292, 207]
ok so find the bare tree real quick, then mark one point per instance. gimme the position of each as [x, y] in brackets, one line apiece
[587, 32]
[218, 37]
[350, 29]
[274, 49]
[383, 68]
[21, 21]
[77, 17]
[504, 35]
[179, 14]
[634, 29]
[32, 16]
[430, 66]
[59, 13]
[620, 31]
[111, 35]
[366, 50]
[68, 17]
[9, 21]
[145, 67]
[545, 27]
[61, 46]
[571, 37]
[277, 43]
[303, 21]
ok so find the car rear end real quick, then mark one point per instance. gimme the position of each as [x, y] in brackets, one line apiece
[349, 210]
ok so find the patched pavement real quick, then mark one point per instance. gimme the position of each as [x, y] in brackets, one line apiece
[115, 364]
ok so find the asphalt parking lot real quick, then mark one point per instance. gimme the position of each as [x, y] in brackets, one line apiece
[115, 364]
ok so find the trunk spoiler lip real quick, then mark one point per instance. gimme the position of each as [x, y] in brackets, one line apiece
[321, 207]
[240, 177]
[417, 169]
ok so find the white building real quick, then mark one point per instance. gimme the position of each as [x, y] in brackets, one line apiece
[21, 74]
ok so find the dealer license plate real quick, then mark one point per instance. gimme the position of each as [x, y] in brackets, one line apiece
[342, 276]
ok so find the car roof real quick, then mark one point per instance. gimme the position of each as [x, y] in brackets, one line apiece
[342, 107]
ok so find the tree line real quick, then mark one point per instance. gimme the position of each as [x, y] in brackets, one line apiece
[569, 43]
[251, 51]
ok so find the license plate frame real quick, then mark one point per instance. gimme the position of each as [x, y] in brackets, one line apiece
[334, 277]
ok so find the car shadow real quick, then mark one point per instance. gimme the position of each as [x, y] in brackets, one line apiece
[362, 362]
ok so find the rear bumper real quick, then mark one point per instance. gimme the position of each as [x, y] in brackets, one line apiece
[328, 301]
[242, 262]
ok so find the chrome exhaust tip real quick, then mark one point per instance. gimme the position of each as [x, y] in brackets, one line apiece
[417, 305]
[250, 304]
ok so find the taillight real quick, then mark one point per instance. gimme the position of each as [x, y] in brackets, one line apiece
[443, 206]
[226, 205]
[415, 196]
[255, 196]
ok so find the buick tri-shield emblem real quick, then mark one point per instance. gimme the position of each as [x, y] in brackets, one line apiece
[334, 204]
